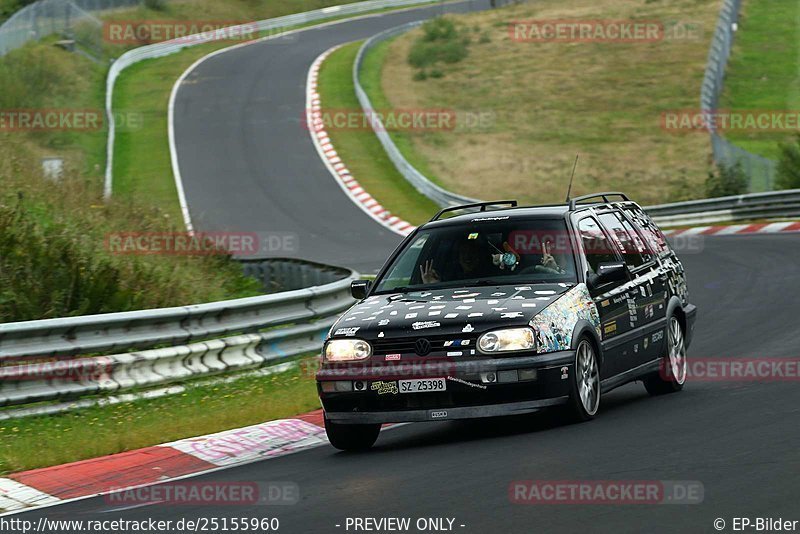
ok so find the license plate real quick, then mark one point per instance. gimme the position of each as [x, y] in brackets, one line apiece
[422, 385]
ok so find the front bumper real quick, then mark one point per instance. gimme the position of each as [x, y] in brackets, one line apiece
[468, 394]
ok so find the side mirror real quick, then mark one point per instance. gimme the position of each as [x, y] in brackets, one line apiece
[607, 272]
[360, 288]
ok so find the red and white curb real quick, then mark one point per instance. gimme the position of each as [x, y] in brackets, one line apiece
[334, 163]
[737, 229]
[152, 465]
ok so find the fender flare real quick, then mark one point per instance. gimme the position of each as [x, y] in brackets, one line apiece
[584, 327]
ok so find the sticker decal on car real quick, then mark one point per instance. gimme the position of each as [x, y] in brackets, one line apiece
[383, 387]
[425, 324]
[347, 331]
[555, 324]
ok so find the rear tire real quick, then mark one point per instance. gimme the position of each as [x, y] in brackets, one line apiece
[352, 437]
[584, 397]
[671, 375]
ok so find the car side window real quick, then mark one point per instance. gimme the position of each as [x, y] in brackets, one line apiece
[626, 238]
[595, 244]
[654, 239]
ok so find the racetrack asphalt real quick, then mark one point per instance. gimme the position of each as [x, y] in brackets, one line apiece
[246, 157]
[738, 439]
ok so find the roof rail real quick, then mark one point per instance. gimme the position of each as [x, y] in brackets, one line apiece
[573, 202]
[481, 205]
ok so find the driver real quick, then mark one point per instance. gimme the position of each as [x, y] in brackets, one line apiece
[473, 262]
[549, 262]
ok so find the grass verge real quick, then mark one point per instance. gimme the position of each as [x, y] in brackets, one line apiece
[764, 69]
[360, 148]
[372, 72]
[547, 101]
[99, 431]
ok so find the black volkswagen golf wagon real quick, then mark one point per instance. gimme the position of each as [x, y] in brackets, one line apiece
[507, 310]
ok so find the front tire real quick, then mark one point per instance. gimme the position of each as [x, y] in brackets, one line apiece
[584, 398]
[671, 374]
[352, 437]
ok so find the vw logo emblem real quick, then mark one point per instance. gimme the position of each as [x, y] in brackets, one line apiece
[422, 347]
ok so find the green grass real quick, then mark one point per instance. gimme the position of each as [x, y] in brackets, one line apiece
[764, 69]
[42, 441]
[371, 76]
[545, 102]
[142, 164]
[360, 149]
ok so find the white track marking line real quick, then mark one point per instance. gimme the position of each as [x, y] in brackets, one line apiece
[733, 229]
[775, 227]
[15, 497]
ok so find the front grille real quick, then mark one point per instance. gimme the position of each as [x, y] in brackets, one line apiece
[382, 347]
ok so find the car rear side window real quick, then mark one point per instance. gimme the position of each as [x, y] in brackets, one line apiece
[595, 244]
[632, 248]
[654, 238]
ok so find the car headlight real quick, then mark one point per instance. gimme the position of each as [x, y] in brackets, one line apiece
[347, 350]
[507, 340]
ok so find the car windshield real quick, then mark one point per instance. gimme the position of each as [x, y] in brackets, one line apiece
[483, 252]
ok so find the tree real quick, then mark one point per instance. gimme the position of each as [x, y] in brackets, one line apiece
[789, 165]
[726, 181]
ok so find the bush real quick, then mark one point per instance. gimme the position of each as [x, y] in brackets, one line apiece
[9, 7]
[439, 29]
[726, 181]
[156, 5]
[789, 166]
[440, 42]
[54, 261]
[35, 73]
[55, 268]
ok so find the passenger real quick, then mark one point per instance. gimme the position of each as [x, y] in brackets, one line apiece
[473, 262]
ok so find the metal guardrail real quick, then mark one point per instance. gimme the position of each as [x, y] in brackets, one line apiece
[69, 357]
[760, 170]
[754, 206]
[176, 45]
[421, 183]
